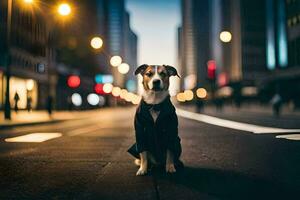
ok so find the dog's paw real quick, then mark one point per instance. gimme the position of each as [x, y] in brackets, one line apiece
[141, 171]
[170, 168]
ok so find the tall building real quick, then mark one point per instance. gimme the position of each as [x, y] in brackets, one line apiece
[119, 39]
[188, 46]
[293, 26]
[30, 56]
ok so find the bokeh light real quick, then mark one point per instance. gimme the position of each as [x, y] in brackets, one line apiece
[96, 42]
[73, 81]
[123, 93]
[107, 88]
[123, 68]
[101, 101]
[188, 95]
[201, 93]
[93, 99]
[225, 36]
[180, 97]
[116, 91]
[76, 99]
[115, 61]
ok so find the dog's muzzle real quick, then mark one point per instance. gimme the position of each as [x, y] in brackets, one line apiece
[157, 85]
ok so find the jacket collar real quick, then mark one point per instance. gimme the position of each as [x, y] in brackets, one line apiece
[164, 108]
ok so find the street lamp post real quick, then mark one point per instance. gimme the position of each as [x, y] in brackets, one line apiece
[7, 109]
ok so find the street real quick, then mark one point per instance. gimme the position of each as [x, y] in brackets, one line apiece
[89, 161]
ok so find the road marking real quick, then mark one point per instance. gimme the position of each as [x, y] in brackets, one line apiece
[289, 137]
[34, 137]
[232, 124]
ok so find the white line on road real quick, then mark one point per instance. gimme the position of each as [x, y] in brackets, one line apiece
[232, 124]
[289, 137]
[34, 137]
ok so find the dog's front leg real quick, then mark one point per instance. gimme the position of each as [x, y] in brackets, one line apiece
[144, 164]
[170, 168]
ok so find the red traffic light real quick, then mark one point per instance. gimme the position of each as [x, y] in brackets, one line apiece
[99, 88]
[211, 69]
[73, 81]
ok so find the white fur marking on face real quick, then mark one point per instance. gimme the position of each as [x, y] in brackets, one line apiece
[155, 77]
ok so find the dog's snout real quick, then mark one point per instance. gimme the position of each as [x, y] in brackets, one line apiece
[156, 82]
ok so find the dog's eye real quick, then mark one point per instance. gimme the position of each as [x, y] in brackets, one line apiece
[163, 74]
[148, 74]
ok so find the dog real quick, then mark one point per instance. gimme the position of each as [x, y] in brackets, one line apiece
[156, 122]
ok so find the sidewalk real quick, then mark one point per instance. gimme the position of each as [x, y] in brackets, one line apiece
[41, 116]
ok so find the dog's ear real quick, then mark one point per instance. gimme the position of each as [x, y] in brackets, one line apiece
[141, 69]
[171, 70]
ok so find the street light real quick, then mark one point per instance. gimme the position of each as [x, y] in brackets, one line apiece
[96, 42]
[115, 61]
[225, 36]
[64, 9]
[123, 68]
[28, 1]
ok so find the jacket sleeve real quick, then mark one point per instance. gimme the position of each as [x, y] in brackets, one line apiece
[140, 134]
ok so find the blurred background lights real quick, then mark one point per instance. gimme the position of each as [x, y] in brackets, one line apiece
[225, 36]
[28, 1]
[116, 91]
[123, 93]
[29, 84]
[98, 88]
[107, 88]
[96, 42]
[76, 99]
[136, 99]
[101, 101]
[64, 9]
[180, 97]
[129, 97]
[188, 95]
[93, 99]
[201, 93]
[115, 61]
[123, 68]
[73, 81]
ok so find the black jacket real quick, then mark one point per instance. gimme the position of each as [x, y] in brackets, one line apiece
[156, 137]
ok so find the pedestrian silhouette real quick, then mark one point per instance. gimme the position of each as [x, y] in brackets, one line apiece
[16, 99]
[276, 102]
[29, 104]
[49, 105]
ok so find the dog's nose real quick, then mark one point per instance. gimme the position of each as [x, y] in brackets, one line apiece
[156, 83]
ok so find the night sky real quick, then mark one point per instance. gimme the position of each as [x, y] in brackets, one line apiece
[155, 22]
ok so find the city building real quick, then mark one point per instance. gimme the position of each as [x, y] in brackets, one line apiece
[30, 56]
[119, 39]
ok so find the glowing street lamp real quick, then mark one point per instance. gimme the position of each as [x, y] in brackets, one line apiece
[64, 9]
[225, 36]
[96, 42]
[115, 61]
[28, 1]
[123, 68]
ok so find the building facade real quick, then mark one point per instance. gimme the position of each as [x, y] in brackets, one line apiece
[119, 39]
[29, 57]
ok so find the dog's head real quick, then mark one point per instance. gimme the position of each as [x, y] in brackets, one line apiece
[156, 77]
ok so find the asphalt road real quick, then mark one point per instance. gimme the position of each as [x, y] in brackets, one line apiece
[90, 161]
